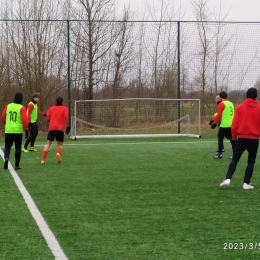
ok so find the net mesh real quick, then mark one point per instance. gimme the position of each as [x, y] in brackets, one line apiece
[135, 118]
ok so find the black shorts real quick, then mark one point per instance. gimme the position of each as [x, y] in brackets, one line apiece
[56, 134]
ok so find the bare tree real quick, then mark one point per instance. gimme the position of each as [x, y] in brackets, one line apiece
[212, 72]
[92, 37]
[123, 54]
[202, 14]
[37, 50]
[161, 46]
[120, 60]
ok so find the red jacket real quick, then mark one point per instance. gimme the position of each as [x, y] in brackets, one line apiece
[58, 116]
[246, 122]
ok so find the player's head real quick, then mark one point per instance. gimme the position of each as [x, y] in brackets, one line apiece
[18, 98]
[251, 93]
[59, 101]
[218, 99]
[223, 94]
[36, 96]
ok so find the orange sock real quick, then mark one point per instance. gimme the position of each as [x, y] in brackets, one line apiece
[59, 150]
[44, 155]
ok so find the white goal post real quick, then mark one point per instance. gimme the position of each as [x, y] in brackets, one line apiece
[136, 118]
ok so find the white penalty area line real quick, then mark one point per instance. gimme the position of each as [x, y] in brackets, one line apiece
[49, 237]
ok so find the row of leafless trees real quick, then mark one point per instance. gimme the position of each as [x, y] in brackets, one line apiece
[109, 55]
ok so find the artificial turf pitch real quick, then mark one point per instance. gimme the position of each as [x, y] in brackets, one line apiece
[132, 199]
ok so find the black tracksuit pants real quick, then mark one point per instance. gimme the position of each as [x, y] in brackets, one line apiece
[251, 145]
[33, 130]
[17, 140]
[222, 133]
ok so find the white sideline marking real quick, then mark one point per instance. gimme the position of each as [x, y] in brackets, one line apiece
[49, 237]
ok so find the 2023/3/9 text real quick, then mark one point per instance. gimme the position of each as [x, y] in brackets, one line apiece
[241, 246]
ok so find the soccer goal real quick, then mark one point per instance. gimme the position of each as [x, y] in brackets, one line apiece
[136, 117]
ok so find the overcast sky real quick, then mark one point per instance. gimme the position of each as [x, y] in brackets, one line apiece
[237, 10]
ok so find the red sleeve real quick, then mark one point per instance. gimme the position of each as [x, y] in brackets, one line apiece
[40, 112]
[30, 109]
[3, 115]
[215, 115]
[217, 118]
[24, 118]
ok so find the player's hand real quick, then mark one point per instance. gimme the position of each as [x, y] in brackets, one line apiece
[213, 126]
[67, 130]
[234, 142]
[26, 134]
[211, 122]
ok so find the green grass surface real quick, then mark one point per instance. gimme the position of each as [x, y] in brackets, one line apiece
[132, 199]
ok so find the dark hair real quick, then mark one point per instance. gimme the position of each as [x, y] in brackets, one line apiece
[59, 101]
[18, 98]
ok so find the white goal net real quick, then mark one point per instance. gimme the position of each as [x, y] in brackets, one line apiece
[135, 117]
